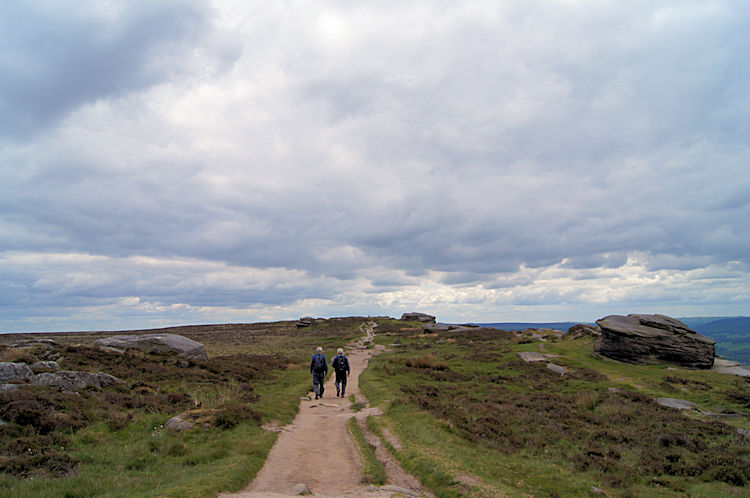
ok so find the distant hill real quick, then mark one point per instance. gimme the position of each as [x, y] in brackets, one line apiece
[732, 335]
[564, 326]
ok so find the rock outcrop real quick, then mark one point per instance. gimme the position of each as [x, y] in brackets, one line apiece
[305, 322]
[647, 339]
[157, 343]
[73, 381]
[583, 330]
[418, 317]
[44, 366]
[10, 372]
[445, 327]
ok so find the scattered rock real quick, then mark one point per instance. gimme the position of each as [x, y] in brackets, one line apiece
[678, 404]
[74, 381]
[557, 368]
[157, 343]
[10, 372]
[419, 317]
[445, 327]
[8, 387]
[45, 366]
[532, 356]
[178, 424]
[743, 432]
[648, 339]
[724, 366]
[33, 343]
[597, 491]
[305, 322]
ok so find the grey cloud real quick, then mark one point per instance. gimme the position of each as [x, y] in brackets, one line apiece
[58, 57]
[453, 140]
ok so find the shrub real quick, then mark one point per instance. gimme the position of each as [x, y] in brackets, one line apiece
[232, 413]
[426, 361]
[586, 400]
[25, 409]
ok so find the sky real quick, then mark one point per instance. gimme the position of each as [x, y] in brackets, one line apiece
[186, 162]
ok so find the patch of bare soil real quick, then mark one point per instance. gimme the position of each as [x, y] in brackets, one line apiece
[316, 450]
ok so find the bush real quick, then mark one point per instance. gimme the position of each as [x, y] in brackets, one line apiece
[25, 409]
[232, 413]
[426, 361]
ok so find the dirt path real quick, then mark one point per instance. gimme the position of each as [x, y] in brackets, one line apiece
[316, 450]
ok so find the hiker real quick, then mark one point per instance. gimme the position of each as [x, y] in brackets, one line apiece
[340, 364]
[319, 369]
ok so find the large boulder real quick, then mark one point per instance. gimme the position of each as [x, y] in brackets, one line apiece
[648, 339]
[418, 317]
[157, 343]
[10, 372]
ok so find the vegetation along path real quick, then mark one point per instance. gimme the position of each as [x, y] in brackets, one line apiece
[316, 449]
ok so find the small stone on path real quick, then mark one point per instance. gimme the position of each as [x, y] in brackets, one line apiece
[300, 489]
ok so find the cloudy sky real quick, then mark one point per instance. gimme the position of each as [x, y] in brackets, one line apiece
[181, 162]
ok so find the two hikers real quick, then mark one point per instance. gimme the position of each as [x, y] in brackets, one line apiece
[319, 369]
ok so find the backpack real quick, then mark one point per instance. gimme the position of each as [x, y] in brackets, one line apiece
[339, 363]
[319, 364]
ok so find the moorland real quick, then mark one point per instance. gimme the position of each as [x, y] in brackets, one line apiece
[474, 418]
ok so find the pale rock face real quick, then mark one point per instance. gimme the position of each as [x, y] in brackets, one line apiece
[45, 366]
[649, 339]
[14, 371]
[157, 343]
[74, 381]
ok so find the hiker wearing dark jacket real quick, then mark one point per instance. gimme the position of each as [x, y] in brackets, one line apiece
[340, 364]
[319, 369]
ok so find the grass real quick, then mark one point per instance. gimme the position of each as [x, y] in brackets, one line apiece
[112, 442]
[374, 471]
[474, 419]
[467, 405]
[358, 406]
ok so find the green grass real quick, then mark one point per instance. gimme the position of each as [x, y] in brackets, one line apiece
[374, 471]
[358, 406]
[115, 439]
[463, 403]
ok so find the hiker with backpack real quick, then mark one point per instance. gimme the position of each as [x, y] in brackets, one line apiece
[340, 364]
[319, 369]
